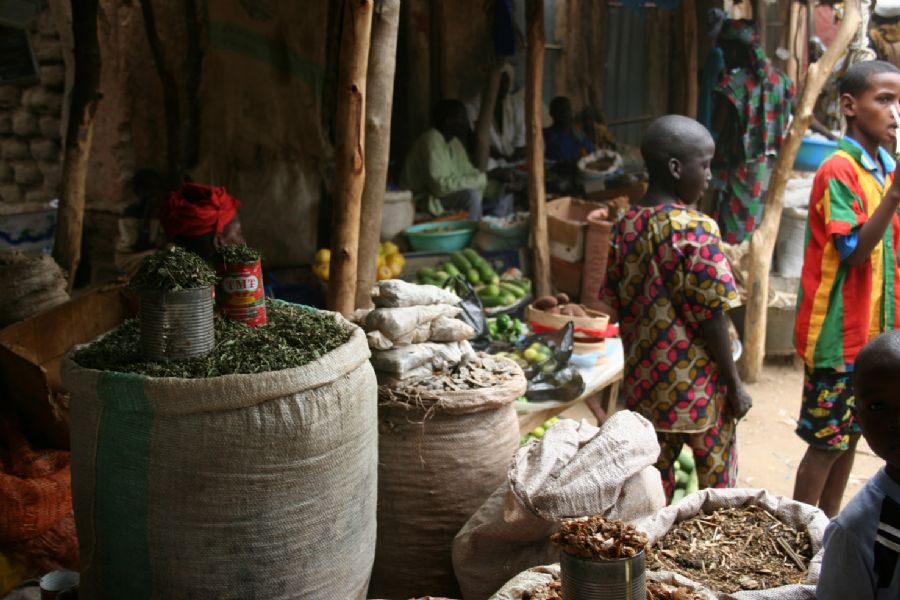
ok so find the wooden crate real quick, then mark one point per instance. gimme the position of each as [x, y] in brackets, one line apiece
[31, 351]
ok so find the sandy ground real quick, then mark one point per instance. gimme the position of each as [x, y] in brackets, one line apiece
[768, 449]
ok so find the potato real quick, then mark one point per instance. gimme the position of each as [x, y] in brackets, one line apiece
[562, 298]
[578, 310]
[545, 303]
[554, 310]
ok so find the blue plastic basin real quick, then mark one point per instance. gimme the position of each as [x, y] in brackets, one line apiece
[813, 152]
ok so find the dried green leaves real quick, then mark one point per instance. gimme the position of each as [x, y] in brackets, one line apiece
[172, 269]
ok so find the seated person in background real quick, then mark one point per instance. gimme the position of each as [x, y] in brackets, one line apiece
[139, 230]
[884, 31]
[862, 544]
[562, 141]
[201, 218]
[437, 169]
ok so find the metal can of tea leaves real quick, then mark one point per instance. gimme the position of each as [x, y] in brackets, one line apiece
[240, 294]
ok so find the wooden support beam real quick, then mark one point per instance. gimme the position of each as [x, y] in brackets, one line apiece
[350, 164]
[537, 197]
[486, 118]
[759, 16]
[692, 69]
[763, 241]
[79, 134]
[379, 102]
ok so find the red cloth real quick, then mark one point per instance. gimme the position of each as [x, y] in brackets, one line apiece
[194, 209]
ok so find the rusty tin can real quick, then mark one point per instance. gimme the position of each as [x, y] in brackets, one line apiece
[241, 295]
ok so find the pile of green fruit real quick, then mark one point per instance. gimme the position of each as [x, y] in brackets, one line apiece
[538, 432]
[536, 355]
[467, 263]
[686, 479]
[506, 329]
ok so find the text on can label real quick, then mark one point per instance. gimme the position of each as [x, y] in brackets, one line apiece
[233, 285]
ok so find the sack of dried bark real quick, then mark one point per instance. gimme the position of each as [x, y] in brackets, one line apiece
[728, 558]
[575, 470]
[441, 452]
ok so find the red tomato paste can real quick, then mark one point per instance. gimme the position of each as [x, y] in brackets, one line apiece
[241, 296]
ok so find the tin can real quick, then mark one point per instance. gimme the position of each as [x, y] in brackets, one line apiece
[619, 579]
[241, 296]
[58, 584]
[176, 325]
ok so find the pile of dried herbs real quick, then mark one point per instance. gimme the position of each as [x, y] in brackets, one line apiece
[294, 336]
[735, 549]
[599, 538]
[172, 269]
[237, 254]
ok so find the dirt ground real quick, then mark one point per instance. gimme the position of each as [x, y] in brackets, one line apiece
[768, 449]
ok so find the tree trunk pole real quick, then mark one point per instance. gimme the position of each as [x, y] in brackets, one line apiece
[350, 163]
[793, 62]
[380, 99]
[689, 18]
[759, 15]
[79, 133]
[763, 241]
[537, 197]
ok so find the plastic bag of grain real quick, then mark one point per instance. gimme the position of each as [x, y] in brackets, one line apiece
[575, 470]
[441, 455]
[241, 486]
[798, 515]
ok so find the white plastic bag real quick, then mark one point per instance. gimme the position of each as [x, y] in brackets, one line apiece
[394, 293]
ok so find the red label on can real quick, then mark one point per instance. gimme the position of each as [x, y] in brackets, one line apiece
[241, 296]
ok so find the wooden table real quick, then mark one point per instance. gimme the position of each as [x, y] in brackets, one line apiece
[601, 391]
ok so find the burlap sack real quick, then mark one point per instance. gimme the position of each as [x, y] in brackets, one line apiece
[796, 514]
[575, 470]
[528, 581]
[440, 457]
[242, 486]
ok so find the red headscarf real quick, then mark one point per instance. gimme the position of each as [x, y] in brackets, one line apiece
[194, 209]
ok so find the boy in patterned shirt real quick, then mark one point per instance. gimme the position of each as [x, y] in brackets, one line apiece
[849, 279]
[670, 284]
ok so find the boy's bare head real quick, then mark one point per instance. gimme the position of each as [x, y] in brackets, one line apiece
[677, 151]
[877, 383]
[868, 91]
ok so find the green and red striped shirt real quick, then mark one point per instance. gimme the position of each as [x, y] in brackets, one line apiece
[840, 307]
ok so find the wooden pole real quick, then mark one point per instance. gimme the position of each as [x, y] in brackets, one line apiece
[689, 22]
[380, 100]
[793, 63]
[79, 134]
[350, 164]
[763, 241]
[486, 118]
[537, 197]
[759, 15]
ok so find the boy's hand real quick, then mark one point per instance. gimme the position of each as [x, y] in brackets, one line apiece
[738, 401]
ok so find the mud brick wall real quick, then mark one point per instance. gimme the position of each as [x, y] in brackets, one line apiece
[30, 123]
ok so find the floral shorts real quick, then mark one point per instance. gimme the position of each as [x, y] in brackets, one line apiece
[827, 415]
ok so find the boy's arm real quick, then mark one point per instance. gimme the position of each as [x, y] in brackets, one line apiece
[715, 333]
[871, 232]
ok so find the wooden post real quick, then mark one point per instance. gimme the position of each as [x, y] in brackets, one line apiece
[486, 118]
[763, 241]
[380, 97]
[689, 22]
[350, 166]
[537, 197]
[759, 15]
[793, 62]
[79, 133]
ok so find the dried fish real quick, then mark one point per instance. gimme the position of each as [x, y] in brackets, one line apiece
[751, 548]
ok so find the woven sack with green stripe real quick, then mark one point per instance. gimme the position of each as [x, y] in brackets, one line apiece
[242, 486]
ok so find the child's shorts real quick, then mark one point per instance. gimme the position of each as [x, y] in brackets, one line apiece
[827, 416]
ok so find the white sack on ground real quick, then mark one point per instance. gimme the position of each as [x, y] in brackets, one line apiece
[798, 515]
[575, 470]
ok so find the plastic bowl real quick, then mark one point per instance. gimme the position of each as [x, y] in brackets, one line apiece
[441, 236]
[813, 152]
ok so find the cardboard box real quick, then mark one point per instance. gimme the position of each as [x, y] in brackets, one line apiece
[31, 351]
[567, 227]
[566, 276]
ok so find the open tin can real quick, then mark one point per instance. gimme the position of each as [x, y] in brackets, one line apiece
[617, 579]
[176, 325]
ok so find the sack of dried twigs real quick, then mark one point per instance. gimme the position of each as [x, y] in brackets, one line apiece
[539, 583]
[575, 470]
[441, 452]
[744, 544]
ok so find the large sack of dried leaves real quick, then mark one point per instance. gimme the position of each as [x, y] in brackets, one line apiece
[239, 486]
[441, 454]
[575, 470]
[800, 525]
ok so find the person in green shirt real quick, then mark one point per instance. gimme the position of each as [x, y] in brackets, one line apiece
[437, 169]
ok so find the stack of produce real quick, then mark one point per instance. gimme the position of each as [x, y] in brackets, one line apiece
[413, 330]
[492, 289]
[686, 480]
[539, 431]
[389, 264]
[506, 329]
[560, 304]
